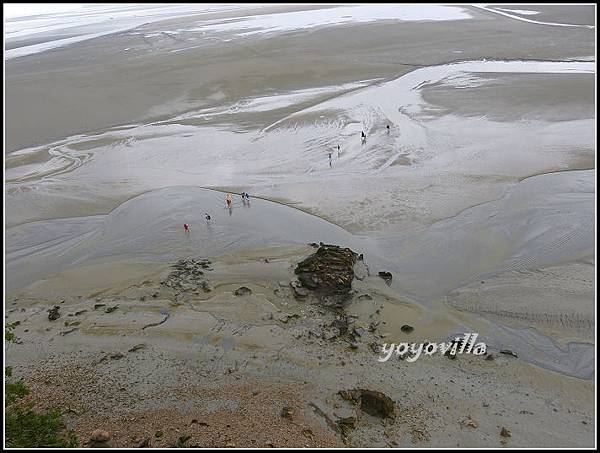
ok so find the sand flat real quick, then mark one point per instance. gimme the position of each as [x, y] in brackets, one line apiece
[479, 199]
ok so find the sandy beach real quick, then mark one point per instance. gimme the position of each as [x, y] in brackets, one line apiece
[475, 189]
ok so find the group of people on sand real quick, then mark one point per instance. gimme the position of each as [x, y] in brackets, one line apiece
[229, 201]
[245, 199]
[363, 140]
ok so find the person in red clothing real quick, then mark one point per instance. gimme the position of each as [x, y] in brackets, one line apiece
[186, 227]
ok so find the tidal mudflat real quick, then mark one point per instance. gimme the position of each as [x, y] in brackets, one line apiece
[473, 195]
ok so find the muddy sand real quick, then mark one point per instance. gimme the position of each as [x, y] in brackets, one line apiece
[479, 200]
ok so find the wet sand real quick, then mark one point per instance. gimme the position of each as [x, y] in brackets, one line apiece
[479, 200]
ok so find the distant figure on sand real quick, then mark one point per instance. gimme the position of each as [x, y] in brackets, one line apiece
[363, 137]
[228, 200]
[338, 150]
[207, 216]
[330, 159]
[388, 128]
[186, 228]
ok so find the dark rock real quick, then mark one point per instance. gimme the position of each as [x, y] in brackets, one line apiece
[372, 402]
[96, 306]
[137, 347]
[186, 275]
[373, 326]
[342, 324]
[376, 348]
[242, 291]
[387, 276]
[406, 328]
[53, 313]
[328, 273]
[111, 309]
[144, 443]
[504, 432]
[508, 352]
[377, 404]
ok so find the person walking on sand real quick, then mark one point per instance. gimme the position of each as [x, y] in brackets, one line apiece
[388, 128]
[330, 159]
[338, 150]
[207, 217]
[363, 137]
[186, 228]
[228, 200]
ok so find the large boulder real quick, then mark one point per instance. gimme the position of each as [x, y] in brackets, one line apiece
[328, 272]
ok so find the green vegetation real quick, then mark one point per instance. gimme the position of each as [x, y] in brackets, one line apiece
[25, 427]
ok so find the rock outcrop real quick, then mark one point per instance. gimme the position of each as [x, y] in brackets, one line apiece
[328, 273]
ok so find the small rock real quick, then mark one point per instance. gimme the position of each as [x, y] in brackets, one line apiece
[376, 348]
[359, 331]
[242, 291]
[504, 432]
[406, 328]
[372, 402]
[307, 432]
[53, 313]
[508, 352]
[99, 438]
[137, 347]
[386, 276]
[287, 412]
[469, 423]
[111, 309]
